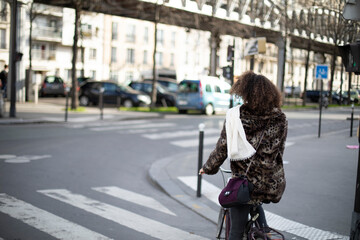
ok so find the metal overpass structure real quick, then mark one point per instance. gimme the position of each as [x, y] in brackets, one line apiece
[272, 19]
[296, 24]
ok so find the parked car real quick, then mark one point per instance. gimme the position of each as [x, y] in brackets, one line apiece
[314, 95]
[169, 83]
[207, 94]
[163, 96]
[90, 91]
[52, 86]
[354, 95]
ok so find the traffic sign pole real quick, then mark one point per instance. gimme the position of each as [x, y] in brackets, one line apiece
[320, 107]
[320, 74]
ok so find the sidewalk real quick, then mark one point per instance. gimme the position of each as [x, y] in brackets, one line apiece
[48, 112]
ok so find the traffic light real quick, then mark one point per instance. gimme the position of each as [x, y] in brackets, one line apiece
[230, 53]
[227, 71]
[350, 54]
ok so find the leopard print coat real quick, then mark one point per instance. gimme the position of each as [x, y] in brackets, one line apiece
[266, 171]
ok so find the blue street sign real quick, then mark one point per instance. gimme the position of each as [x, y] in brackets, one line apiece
[322, 71]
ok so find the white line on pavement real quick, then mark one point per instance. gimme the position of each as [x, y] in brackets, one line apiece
[211, 192]
[179, 134]
[45, 221]
[149, 125]
[134, 198]
[121, 216]
[195, 142]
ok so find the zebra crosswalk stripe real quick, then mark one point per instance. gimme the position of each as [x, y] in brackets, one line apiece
[166, 135]
[148, 125]
[121, 216]
[134, 198]
[47, 222]
[195, 142]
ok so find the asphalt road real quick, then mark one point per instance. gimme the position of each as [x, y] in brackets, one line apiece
[79, 178]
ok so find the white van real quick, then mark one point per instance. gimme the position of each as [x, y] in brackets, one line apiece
[207, 94]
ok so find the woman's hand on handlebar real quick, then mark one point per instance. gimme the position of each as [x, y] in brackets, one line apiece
[201, 171]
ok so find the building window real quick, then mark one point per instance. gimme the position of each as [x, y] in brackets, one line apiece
[159, 58]
[4, 11]
[52, 52]
[130, 56]
[145, 59]
[173, 39]
[172, 59]
[130, 34]
[93, 53]
[113, 54]
[85, 29]
[114, 31]
[160, 37]
[113, 76]
[146, 35]
[2, 38]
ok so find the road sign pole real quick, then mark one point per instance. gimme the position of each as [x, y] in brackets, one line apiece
[320, 107]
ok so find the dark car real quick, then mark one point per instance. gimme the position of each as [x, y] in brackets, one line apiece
[52, 86]
[90, 91]
[163, 96]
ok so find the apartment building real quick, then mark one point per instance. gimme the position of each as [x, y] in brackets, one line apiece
[121, 49]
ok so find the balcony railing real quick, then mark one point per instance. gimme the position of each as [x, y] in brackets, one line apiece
[46, 9]
[38, 54]
[47, 32]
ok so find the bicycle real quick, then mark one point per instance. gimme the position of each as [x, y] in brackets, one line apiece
[253, 230]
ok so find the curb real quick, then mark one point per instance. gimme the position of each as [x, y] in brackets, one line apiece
[19, 121]
[160, 176]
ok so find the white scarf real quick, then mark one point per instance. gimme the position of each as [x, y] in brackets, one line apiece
[238, 147]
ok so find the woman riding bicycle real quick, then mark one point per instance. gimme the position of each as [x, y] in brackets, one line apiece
[265, 127]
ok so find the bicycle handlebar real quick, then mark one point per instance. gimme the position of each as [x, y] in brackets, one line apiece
[225, 170]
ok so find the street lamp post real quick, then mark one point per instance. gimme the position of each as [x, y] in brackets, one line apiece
[12, 58]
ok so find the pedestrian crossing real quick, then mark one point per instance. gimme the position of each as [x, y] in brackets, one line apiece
[175, 134]
[61, 228]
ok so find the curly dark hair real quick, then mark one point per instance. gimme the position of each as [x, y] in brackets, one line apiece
[257, 91]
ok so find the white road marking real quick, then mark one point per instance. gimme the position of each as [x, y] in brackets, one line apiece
[166, 135]
[133, 197]
[45, 221]
[121, 216]
[280, 223]
[149, 125]
[24, 158]
[195, 142]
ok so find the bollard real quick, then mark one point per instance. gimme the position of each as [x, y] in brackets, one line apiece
[201, 148]
[352, 120]
[101, 102]
[67, 90]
